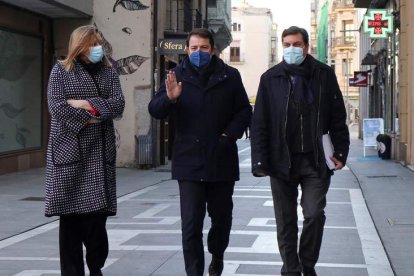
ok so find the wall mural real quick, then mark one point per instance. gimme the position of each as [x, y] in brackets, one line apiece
[20, 86]
[127, 30]
[124, 66]
[131, 5]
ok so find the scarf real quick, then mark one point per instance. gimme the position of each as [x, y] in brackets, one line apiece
[204, 73]
[92, 68]
[302, 91]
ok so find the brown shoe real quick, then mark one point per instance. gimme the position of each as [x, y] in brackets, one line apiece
[216, 267]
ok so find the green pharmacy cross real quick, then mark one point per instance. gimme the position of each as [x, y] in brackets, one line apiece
[378, 23]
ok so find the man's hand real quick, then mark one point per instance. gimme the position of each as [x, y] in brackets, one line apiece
[261, 174]
[338, 164]
[173, 88]
[80, 104]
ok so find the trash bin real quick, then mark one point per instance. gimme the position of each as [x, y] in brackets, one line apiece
[384, 146]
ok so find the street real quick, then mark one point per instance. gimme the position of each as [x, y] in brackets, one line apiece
[145, 237]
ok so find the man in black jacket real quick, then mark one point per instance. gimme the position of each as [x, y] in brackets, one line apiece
[298, 101]
[211, 110]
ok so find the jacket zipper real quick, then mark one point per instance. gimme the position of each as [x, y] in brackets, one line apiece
[301, 131]
[317, 126]
[286, 118]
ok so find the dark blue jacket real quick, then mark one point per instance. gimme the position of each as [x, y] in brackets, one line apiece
[204, 111]
[270, 152]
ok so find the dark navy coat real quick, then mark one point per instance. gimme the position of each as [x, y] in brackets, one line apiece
[203, 112]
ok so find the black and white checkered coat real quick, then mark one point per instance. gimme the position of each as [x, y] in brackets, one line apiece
[80, 170]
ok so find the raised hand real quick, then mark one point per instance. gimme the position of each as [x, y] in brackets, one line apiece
[173, 88]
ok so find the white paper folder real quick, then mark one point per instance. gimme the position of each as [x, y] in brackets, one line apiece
[328, 150]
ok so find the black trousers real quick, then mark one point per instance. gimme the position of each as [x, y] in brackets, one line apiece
[313, 202]
[194, 196]
[76, 230]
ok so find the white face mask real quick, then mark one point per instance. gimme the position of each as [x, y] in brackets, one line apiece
[293, 55]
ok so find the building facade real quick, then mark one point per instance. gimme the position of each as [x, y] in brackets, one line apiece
[35, 34]
[343, 56]
[389, 94]
[254, 46]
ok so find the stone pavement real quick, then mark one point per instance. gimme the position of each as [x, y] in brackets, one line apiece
[369, 228]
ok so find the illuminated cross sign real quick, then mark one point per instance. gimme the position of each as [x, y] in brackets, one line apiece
[378, 23]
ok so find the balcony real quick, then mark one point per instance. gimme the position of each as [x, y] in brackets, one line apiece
[181, 18]
[219, 22]
[344, 42]
[343, 4]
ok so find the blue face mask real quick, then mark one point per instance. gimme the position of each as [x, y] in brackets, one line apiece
[95, 54]
[293, 55]
[199, 58]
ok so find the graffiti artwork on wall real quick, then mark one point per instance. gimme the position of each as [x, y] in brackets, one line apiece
[131, 5]
[127, 30]
[124, 66]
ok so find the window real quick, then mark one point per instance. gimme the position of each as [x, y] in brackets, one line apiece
[344, 66]
[234, 27]
[333, 64]
[348, 29]
[235, 54]
[21, 92]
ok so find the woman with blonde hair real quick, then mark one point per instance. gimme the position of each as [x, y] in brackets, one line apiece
[84, 96]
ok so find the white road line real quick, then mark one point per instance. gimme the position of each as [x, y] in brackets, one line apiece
[38, 272]
[29, 234]
[374, 254]
[137, 193]
[231, 267]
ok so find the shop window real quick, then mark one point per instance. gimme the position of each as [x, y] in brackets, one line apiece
[21, 92]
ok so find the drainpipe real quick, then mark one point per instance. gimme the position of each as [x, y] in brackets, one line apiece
[154, 122]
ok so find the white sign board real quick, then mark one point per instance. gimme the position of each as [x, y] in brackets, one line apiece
[371, 128]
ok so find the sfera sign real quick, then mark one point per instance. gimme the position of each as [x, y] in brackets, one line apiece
[171, 46]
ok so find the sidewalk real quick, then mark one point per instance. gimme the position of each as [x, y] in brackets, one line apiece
[388, 189]
[145, 235]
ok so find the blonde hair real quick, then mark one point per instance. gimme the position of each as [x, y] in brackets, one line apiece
[81, 39]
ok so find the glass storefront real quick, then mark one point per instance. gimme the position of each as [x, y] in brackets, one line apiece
[20, 92]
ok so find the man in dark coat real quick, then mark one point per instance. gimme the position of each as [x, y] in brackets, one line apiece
[211, 110]
[298, 101]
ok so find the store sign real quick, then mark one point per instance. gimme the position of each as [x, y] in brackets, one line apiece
[171, 46]
[378, 23]
[360, 79]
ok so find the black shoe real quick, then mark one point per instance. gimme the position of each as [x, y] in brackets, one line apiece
[216, 267]
[309, 272]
